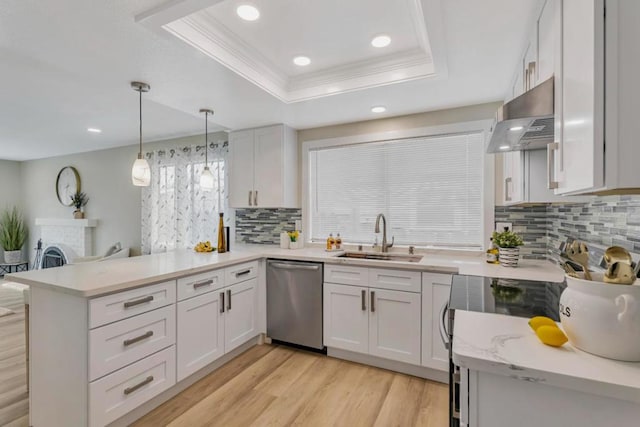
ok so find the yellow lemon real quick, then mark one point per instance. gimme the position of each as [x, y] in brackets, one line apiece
[551, 335]
[536, 322]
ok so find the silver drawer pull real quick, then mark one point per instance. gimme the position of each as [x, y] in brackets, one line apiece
[364, 300]
[250, 197]
[133, 303]
[255, 198]
[131, 389]
[228, 299]
[242, 273]
[373, 302]
[144, 336]
[201, 284]
[221, 302]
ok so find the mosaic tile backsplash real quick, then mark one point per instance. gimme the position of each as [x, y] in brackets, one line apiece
[263, 226]
[602, 222]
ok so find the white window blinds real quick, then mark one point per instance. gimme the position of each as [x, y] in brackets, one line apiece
[430, 190]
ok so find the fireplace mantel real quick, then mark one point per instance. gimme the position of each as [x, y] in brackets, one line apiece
[67, 222]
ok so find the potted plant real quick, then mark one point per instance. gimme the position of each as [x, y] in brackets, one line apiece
[13, 235]
[79, 200]
[508, 244]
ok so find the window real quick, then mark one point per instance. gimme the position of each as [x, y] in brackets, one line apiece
[430, 190]
[176, 213]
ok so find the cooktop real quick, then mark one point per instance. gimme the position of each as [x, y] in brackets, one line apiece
[522, 298]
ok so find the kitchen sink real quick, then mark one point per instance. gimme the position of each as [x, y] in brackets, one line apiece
[382, 256]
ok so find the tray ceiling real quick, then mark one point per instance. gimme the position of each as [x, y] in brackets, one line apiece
[336, 36]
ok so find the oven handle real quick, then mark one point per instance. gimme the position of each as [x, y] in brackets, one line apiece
[443, 329]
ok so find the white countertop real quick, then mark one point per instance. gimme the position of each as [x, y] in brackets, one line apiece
[506, 345]
[99, 278]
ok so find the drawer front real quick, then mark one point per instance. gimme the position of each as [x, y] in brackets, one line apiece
[241, 272]
[114, 395]
[346, 275]
[398, 280]
[116, 345]
[199, 284]
[112, 308]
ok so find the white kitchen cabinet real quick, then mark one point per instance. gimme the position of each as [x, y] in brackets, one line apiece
[263, 168]
[394, 325]
[512, 162]
[200, 332]
[547, 32]
[241, 313]
[435, 295]
[346, 317]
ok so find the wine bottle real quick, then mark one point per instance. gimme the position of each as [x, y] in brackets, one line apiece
[222, 246]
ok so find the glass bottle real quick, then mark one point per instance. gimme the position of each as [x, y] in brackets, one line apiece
[492, 253]
[222, 245]
[338, 241]
[330, 242]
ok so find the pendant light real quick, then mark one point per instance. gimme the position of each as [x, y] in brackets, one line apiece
[140, 173]
[206, 179]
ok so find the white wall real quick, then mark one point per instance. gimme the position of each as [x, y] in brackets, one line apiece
[9, 187]
[106, 178]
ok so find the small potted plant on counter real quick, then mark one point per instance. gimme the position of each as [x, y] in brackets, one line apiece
[79, 200]
[508, 244]
[13, 235]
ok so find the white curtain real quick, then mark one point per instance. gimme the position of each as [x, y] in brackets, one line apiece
[176, 212]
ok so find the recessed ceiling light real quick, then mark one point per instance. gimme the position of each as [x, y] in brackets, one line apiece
[515, 128]
[302, 61]
[382, 40]
[504, 147]
[94, 130]
[378, 109]
[248, 12]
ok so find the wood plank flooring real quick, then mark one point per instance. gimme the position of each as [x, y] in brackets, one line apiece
[278, 386]
[265, 386]
[14, 403]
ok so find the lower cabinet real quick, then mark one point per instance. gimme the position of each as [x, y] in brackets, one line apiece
[378, 322]
[435, 296]
[214, 323]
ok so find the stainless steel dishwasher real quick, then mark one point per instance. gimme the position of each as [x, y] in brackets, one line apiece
[294, 302]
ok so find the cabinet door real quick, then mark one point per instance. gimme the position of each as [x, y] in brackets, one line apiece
[394, 325]
[200, 332]
[346, 317]
[241, 318]
[268, 183]
[513, 174]
[529, 61]
[435, 295]
[241, 168]
[547, 33]
[582, 144]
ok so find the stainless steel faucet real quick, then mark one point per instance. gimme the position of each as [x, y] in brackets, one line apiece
[385, 246]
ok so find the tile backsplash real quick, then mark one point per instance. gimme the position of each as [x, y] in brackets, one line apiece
[601, 222]
[263, 226]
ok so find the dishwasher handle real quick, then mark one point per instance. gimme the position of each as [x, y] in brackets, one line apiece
[285, 266]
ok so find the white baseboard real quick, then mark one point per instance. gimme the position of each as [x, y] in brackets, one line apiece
[391, 365]
[147, 407]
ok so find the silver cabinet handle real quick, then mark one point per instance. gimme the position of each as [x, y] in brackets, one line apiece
[364, 300]
[242, 273]
[443, 327]
[250, 197]
[373, 301]
[202, 284]
[221, 302]
[133, 303]
[228, 299]
[144, 336]
[285, 266]
[532, 73]
[552, 147]
[255, 198]
[131, 389]
[507, 196]
[525, 83]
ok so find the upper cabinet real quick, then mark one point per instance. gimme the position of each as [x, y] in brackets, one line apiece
[263, 168]
[597, 148]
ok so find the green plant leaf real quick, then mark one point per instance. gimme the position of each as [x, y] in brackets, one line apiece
[13, 230]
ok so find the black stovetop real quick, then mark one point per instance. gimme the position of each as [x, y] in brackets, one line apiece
[522, 298]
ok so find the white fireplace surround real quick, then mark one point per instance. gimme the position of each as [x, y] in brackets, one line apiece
[76, 234]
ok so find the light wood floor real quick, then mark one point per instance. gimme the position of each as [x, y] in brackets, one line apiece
[265, 386]
[278, 386]
[14, 404]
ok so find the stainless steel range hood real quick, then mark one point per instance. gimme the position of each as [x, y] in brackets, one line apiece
[526, 122]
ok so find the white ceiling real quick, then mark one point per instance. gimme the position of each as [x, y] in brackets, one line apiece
[66, 65]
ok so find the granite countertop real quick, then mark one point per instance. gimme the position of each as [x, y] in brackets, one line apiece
[99, 278]
[506, 345]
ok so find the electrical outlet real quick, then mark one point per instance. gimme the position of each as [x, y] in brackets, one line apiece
[500, 226]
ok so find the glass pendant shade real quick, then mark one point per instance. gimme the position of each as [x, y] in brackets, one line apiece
[141, 173]
[206, 179]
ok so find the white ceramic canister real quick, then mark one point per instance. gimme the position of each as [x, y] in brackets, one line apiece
[602, 318]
